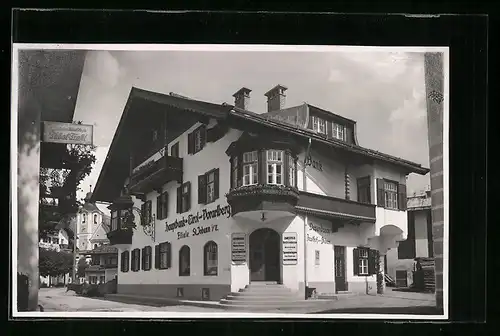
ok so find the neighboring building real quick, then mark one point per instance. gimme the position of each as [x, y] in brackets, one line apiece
[102, 264]
[419, 243]
[92, 224]
[57, 240]
[221, 198]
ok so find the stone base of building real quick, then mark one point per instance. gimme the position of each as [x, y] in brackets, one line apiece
[352, 287]
[189, 291]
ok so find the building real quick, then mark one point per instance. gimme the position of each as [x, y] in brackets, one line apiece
[57, 240]
[419, 244]
[92, 225]
[103, 264]
[207, 198]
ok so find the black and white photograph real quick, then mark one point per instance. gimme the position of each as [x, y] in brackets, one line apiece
[222, 180]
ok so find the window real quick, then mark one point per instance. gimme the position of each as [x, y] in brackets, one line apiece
[208, 187]
[95, 246]
[319, 125]
[234, 172]
[274, 167]
[102, 279]
[95, 260]
[84, 218]
[197, 140]
[184, 261]
[174, 150]
[391, 195]
[250, 168]
[292, 171]
[146, 212]
[316, 258]
[114, 220]
[338, 131]
[146, 258]
[363, 262]
[93, 279]
[162, 206]
[184, 197]
[111, 261]
[155, 135]
[210, 261]
[163, 256]
[136, 260]
[364, 190]
[95, 218]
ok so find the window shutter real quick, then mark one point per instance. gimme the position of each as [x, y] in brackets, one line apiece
[402, 197]
[372, 255]
[188, 201]
[202, 189]
[159, 214]
[380, 193]
[203, 135]
[142, 258]
[165, 205]
[216, 184]
[369, 188]
[132, 257]
[179, 199]
[240, 170]
[169, 254]
[328, 125]
[231, 179]
[355, 258]
[150, 211]
[310, 124]
[191, 143]
[122, 268]
[157, 256]
[150, 252]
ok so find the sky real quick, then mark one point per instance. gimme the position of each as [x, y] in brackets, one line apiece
[382, 90]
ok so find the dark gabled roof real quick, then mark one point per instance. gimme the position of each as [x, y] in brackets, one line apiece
[223, 111]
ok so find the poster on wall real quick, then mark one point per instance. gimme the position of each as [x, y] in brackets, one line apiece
[238, 248]
[290, 248]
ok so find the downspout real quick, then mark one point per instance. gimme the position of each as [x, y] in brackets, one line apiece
[304, 187]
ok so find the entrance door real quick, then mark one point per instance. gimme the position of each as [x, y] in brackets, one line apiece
[264, 255]
[340, 272]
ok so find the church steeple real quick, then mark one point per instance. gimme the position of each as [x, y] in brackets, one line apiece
[89, 195]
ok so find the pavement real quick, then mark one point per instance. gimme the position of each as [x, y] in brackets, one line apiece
[392, 302]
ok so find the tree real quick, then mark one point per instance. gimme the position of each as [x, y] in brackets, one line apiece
[82, 266]
[54, 263]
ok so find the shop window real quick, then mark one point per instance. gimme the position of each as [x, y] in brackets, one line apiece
[275, 167]
[197, 140]
[184, 197]
[136, 260]
[184, 261]
[162, 206]
[208, 187]
[250, 168]
[210, 259]
[163, 255]
[146, 258]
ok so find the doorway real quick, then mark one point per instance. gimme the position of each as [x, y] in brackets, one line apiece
[340, 272]
[264, 255]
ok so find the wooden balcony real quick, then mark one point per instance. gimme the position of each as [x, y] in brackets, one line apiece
[332, 207]
[155, 174]
[120, 237]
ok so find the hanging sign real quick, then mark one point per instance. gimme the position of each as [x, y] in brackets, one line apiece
[290, 248]
[68, 133]
[238, 248]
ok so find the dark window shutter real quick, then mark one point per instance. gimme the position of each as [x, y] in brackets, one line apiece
[355, 258]
[191, 143]
[157, 256]
[159, 214]
[169, 255]
[216, 184]
[240, 170]
[402, 197]
[203, 135]
[122, 267]
[328, 125]
[142, 258]
[380, 193]
[369, 189]
[372, 255]
[179, 199]
[231, 173]
[202, 189]
[188, 197]
[165, 204]
[150, 210]
[310, 123]
[132, 263]
[150, 257]
[142, 213]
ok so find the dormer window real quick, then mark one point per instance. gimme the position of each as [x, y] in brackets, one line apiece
[319, 125]
[338, 131]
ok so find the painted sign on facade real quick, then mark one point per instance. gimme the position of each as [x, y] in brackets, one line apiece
[198, 217]
[238, 248]
[68, 133]
[289, 248]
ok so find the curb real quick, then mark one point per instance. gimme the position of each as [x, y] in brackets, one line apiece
[147, 301]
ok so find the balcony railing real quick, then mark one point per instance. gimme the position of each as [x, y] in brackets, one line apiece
[335, 207]
[120, 237]
[155, 174]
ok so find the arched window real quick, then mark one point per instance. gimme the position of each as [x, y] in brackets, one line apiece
[95, 218]
[210, 258]
[184, 261]
[95, 245]
[84, 217]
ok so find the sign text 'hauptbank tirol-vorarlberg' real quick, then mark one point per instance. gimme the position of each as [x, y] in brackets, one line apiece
[68, 133]
[197, 218]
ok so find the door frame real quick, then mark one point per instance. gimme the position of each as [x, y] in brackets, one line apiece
[279, 250]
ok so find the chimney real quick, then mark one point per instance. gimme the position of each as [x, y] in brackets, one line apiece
[276, 98]
[242, 98]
